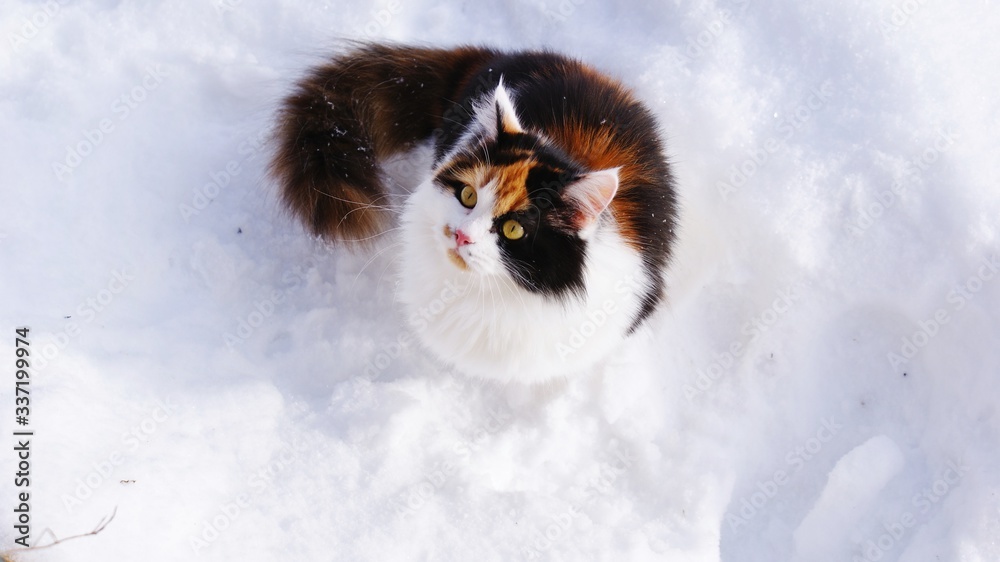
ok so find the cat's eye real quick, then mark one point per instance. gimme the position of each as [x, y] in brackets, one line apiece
[512, 230]
[468, 196]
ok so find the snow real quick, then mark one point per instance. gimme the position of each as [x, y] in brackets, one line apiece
[822, 385]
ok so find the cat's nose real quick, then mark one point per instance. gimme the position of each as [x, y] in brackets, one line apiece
[461, 238]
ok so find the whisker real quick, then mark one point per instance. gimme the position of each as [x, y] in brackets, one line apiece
[374, 236]
[341, 199]
[392, 262]
[366, 207]
[373, 258]
[515, 289]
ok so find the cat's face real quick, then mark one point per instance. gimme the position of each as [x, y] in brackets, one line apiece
[504, 230]
[506, 203]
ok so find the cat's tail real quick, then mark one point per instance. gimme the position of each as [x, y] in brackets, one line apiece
[346, 116]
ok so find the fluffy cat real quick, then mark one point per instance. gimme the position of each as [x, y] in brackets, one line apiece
[539, 239]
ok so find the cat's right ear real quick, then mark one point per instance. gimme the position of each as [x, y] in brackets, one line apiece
[590, 195]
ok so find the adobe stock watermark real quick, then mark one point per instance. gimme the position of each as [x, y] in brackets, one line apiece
[132, 439]
[227, 513]
[378, 20]
[32, 25]
[957, 298]
[899, 16]
[700, 43]
[757, 158]
[411, 165]
[416, 496]
[562, 10]
[894, 531]
[247, 149]
[625, 288]
[121, 108]
[225, 6]
[785, 299]
[795, 460]
[87, 311]
[885, 199]
[557, 528]
[264, 308]
[420, 320]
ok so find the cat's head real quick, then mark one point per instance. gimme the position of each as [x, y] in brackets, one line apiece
[507, 202]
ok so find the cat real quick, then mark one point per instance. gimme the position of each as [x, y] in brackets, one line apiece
[540, 237]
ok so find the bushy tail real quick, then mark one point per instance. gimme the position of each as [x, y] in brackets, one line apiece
[346, 116]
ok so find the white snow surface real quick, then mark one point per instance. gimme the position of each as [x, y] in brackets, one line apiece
[236, 390]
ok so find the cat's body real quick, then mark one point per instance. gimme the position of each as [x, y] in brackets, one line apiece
[540, 239]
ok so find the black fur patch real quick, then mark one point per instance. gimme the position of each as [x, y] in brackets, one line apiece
[546, 260]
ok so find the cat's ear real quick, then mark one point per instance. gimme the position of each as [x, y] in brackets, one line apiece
[506, 117]
[590, 195]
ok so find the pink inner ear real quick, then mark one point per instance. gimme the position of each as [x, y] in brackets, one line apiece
[592, 194]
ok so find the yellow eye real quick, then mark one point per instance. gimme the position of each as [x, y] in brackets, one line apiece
[468, 196]
[512, 230]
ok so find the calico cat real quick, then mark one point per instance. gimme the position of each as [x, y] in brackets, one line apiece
[540, 237]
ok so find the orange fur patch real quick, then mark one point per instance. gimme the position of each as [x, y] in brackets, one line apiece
[599, 150]
[457, 259]
[512, 195]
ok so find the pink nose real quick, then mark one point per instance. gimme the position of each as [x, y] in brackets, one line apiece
[461, 238]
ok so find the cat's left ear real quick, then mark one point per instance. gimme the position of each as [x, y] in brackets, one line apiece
[590, 195]
[506, 117]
